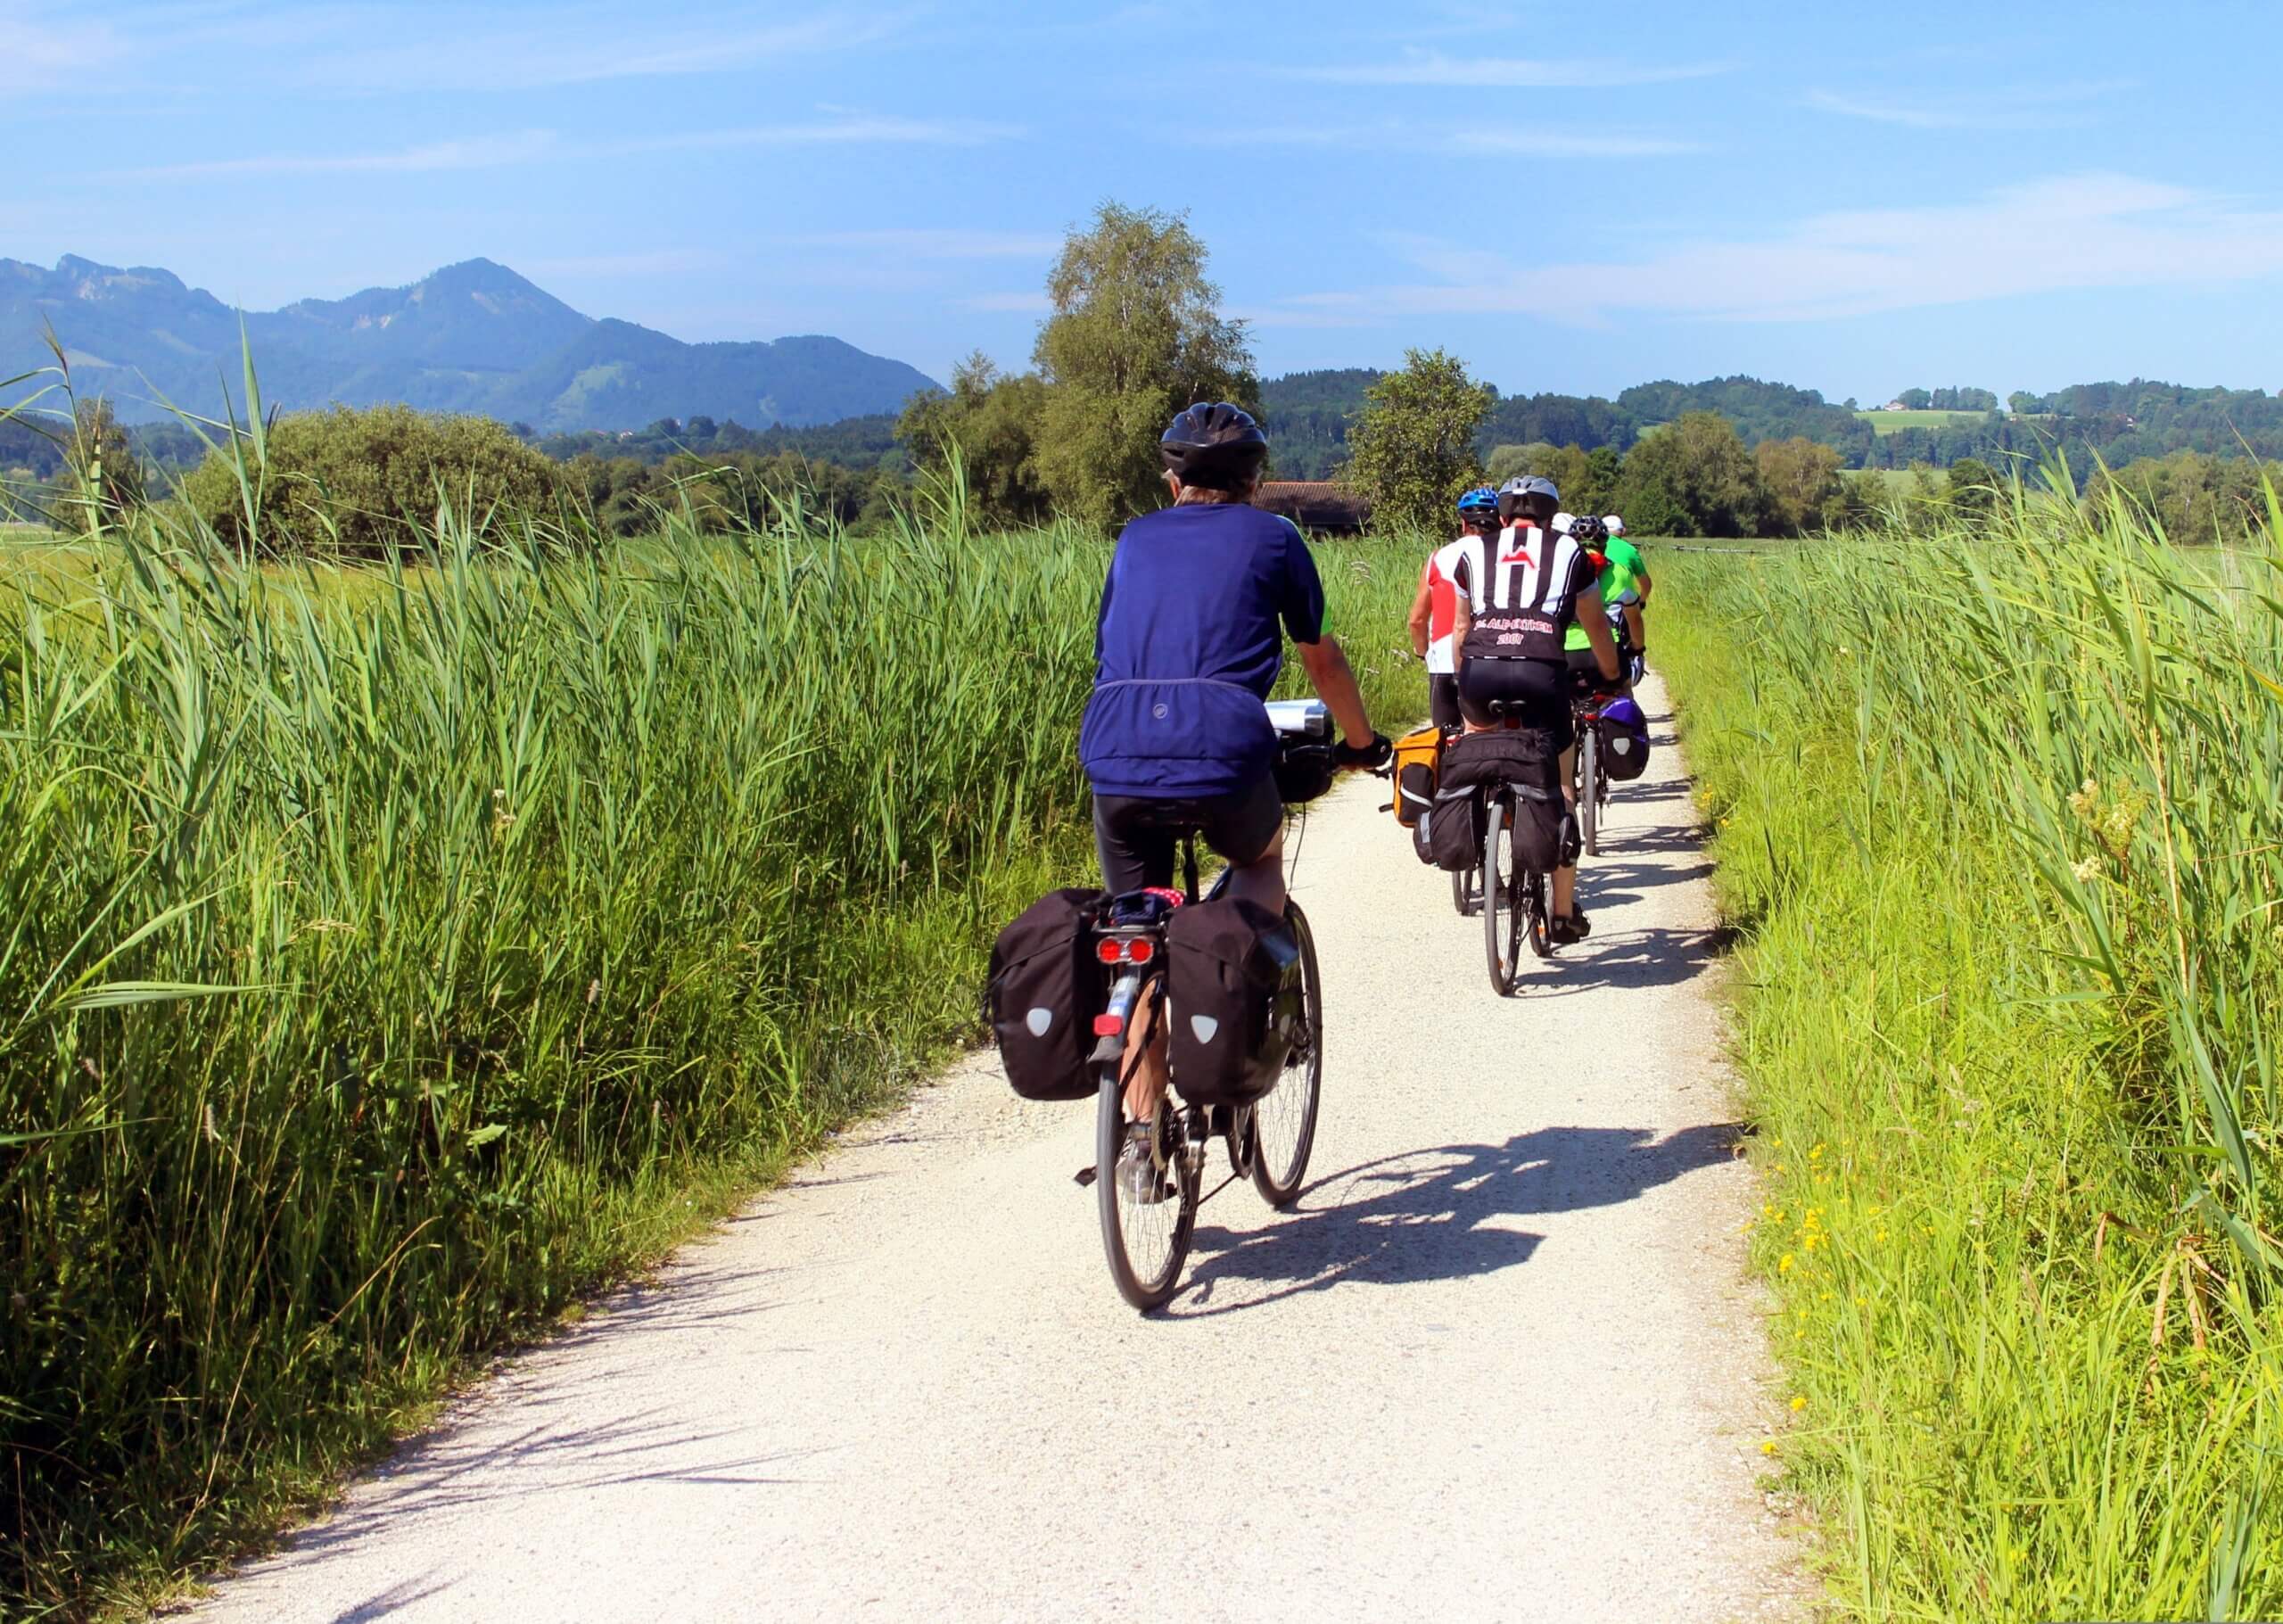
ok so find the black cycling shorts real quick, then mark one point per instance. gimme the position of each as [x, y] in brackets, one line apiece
[1443, 700]
[1537, 689]
[1138, 838]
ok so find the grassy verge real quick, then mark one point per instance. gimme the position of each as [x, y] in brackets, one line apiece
[394, 956]
[2007, 851]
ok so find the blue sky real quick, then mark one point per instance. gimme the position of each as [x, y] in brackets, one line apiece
[1850, 198]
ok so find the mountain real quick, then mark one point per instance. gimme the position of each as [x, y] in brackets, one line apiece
[472, 337]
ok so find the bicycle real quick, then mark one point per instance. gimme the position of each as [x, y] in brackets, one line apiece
[1588, 781]
[1148, 1206]
[1508, 886]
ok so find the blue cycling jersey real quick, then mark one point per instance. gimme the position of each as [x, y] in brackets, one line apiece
[1188, 646]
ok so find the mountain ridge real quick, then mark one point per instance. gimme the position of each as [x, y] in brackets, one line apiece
[472, 337]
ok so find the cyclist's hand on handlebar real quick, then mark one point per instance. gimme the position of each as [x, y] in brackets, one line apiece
[1368, 757]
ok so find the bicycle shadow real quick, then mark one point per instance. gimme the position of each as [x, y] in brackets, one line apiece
[1432, 1214]
[1653, 956]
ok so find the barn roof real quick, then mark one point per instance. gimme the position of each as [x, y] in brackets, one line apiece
[1315, 504]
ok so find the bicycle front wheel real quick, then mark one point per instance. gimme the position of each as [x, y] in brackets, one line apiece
[1462, 891]
[1503, 899]
[1148, 1211]
[1284, 1121]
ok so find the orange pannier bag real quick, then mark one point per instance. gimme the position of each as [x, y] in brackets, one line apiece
[1418, 764]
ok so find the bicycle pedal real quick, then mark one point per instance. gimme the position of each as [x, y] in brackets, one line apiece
[1085, 1176]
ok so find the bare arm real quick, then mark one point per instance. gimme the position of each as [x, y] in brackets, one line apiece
[1335, 684]
[1595, 621]
[1461, 622]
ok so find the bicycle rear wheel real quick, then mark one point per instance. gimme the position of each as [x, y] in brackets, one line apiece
[1503, 901]
[1284, 1120]
[1589, 790]
[1145, 1232]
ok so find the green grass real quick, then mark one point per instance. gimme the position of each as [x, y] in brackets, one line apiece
[394, 956]
[2007, 856]
[1887, 423]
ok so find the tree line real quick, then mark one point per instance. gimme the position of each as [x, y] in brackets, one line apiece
[1135, 331]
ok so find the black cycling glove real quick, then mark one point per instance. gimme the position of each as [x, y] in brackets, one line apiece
[1370, 756]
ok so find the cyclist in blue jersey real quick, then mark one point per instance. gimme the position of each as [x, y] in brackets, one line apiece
[1194, 612]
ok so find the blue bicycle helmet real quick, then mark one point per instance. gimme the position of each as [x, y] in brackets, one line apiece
[1477, 503]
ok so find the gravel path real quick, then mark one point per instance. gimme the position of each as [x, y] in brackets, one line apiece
[1500, 1362]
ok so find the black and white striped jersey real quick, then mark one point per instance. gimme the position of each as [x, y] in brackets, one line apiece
[1521, 588]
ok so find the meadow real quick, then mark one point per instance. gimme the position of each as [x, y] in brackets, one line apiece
[2005, 852]
[1887, 423]
[398, 954]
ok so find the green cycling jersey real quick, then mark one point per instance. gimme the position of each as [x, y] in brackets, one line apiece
[1621, 582]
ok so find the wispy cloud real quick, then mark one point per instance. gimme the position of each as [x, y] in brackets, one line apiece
[921, 242]
[34, 45]
[2032, 107]
[2086, 231]
[1018, 304]
[655, 262]
[1399, 136]
[1417, 67]
[842, 130]
[1563, 144]
[480, 51]
[536, 145]
[474, 152]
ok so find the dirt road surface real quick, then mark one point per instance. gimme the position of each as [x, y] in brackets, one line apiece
[1500, 1362]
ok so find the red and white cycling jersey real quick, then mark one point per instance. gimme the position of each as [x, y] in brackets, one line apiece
[1442, 606]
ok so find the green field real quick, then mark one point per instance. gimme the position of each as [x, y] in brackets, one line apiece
[2006, 858]
[1887, 423]
[396, 956]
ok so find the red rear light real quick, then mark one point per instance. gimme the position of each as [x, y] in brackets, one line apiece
[1108, 1026]
[1140, 951]
[1109, 950]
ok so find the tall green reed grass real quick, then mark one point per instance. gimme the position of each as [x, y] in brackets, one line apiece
[2001, 814]
[393, 955]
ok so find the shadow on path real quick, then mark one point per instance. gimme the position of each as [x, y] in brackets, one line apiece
[1431, 1215]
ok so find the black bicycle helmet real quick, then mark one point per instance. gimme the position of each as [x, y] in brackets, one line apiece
[1213, 444]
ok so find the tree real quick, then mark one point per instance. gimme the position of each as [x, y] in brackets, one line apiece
[1411, 453]
[2025, 404]
[106, 481]
[1137, 334]
[1695, 469]
[1916, 400]
[1973, 487]
[994, 420]
[360, 480]
[1804, 488]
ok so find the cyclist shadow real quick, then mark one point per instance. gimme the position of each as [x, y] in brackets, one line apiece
[1653, 956]
[1432, 1214]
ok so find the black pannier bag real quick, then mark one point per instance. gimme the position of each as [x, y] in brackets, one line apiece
[1232, 988]
[1526, 759]
[1449, 832]
[1303, 772]
[1044, 990]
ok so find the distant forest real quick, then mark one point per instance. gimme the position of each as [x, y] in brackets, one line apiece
[1306, 415]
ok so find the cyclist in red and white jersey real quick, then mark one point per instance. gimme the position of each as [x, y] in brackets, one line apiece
[1433, 607]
